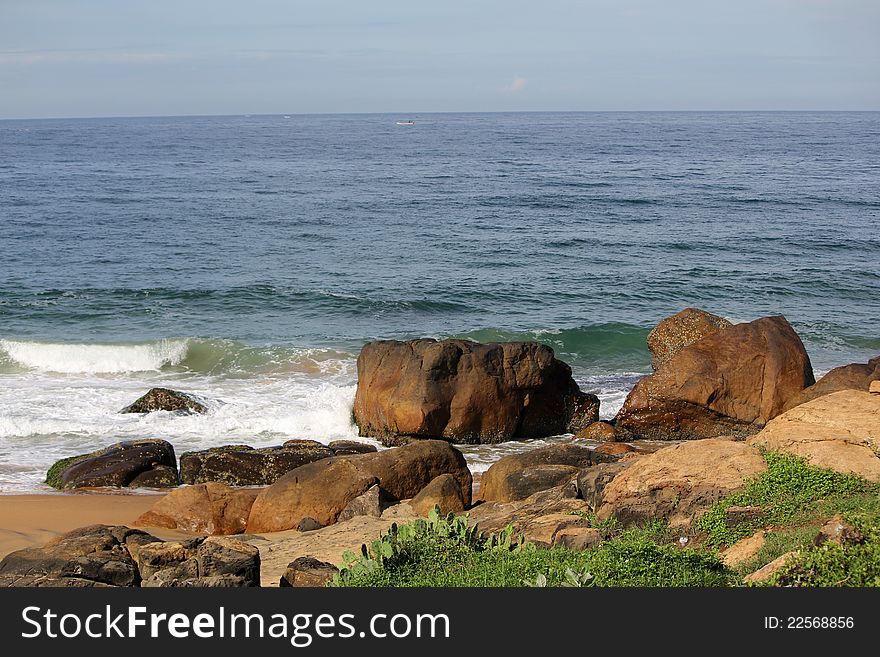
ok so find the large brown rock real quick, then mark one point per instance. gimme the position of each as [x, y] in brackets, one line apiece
[124, 464]
[518, 476]
[857, 376]
[321, 490]
[466, 392]
[728, 383]
[97, 555]
[242, 465]
[165, 399]
[525, 517]
[442, 492]
[680, 482]
[682, 329]
[209, 508]
[840, 431]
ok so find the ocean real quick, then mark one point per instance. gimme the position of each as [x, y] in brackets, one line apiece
[247, 259]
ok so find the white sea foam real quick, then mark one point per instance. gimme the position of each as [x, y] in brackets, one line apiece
[95, 358]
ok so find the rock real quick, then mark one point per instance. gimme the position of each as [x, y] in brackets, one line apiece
[838, 531]
[517, 476]
[343, 447]
[118, 465]
[308, 572]
[308, 524]
[241, 465]
[744, 550]
[840, 431]
[161, 476]
[97, 555]
[591, 482]
[466, 392]
[857, 376]
[679, 482]
[874, 389]
[728, 383]
[493, 517]
[164, 399]
[321, 490]
[604, 431]
[682, 329]
[577, 538]
[443, 492]
[738, 515]
[610, 452]
[216, 561]
[209, 508]
[764, 574]
[371, 503]
[543, 530]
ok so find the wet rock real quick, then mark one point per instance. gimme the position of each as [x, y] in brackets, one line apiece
[242, 465]
[466, 392]
[128, 463]
[165, 399]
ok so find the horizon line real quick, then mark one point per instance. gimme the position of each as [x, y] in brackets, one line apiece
[410, 114]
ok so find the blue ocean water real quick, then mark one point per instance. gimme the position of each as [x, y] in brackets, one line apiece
[248, 258]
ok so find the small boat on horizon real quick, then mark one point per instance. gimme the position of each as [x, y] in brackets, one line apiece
[406, 123]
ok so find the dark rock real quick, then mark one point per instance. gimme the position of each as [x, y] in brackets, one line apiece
[241, 465]
[216, 561]
[728, 383]
[343, 447]
[443, 492]
[592, 481]
[467, 392]
[682, 329]
[321, 490]
[164, 399]
[738, 515]
[118, 465]
[161, 476]
[308, 524]
[97, 555]
[308, 572]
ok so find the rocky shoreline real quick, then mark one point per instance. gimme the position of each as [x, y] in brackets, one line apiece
[688, 435]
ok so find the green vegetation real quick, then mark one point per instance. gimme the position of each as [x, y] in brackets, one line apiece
[53, 476]
[795, 498]
[790, 492]
[443, 552]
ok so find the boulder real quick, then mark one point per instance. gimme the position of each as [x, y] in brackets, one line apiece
[840, 431]
[524, 516]
[591, 482]
[165, 399]
[242, 465]
[93, 556]
[322, 489]
[160, 476]
[544, 530]
[577, 538]
[371, 503]
[611, 452]
[216, 561]
[466, 392]
[679, 482]
[517, 476]
[857, 376]
[307, 571]
[343, 447]
[839, 532]
[443, 492]
[209, 508]
[682, 329]
[728, 383]
[601, 431]
[123, 464]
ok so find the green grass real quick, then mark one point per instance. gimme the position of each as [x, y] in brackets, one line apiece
[439, 553]
[791, 493]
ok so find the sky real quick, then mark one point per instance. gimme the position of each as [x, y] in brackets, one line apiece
[65, 58]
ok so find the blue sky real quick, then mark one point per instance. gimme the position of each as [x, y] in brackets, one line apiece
[127, 57]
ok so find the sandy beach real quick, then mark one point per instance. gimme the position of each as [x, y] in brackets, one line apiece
[32, 520]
